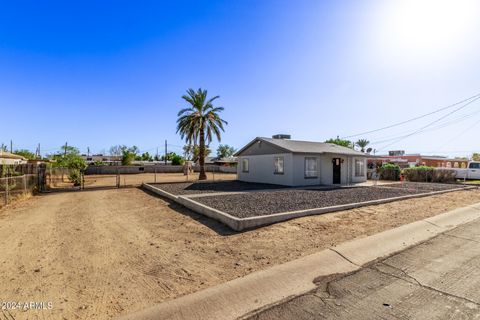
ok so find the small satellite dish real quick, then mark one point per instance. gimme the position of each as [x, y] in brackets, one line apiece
[369, 150]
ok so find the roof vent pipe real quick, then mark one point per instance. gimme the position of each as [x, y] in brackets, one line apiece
[281, 136]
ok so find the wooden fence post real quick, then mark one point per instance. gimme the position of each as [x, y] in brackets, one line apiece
[6, 190]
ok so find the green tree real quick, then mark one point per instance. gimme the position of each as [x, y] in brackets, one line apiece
[69, 157]
[341, 142]
[199, 123]
[129, 155]
[362, 143]
[192, 152]
[476, 156]
[146, 156]
[225, 151]
[196, 153]
[177, 160]
[25, 153]
[169, 156]
[188, 151]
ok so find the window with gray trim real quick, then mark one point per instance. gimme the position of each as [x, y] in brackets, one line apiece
[279, 165]
[244, 165]
[311, 170]
[359, 167]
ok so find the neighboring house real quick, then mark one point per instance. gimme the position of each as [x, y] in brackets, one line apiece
[111, 160]
[228, 161]
[413, 160]
[7, 158]
[299, 163]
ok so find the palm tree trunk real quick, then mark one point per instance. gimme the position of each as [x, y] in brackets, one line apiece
[201, 155]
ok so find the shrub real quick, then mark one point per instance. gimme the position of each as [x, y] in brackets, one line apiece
[429, 174]
[444, 176]
[75, 176]
[419, 174]
[390, 171]
[177, 160]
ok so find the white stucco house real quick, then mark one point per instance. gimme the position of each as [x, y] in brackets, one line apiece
[7, 158]
[300, 163]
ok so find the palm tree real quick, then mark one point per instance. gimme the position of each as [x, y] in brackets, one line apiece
[200, 121]
[362, 143]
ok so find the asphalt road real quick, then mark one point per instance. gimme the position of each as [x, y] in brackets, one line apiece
[438, 279]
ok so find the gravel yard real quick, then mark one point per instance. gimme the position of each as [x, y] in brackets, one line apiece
[187, 188]
[423, 186]
[265, 203]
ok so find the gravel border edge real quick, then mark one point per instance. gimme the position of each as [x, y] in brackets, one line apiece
[240, 224]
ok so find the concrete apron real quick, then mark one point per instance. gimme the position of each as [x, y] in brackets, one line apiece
[260, 289]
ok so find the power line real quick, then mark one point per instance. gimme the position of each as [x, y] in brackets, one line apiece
[461, 133]
[429, 124]
[413, 119]
[439, 126]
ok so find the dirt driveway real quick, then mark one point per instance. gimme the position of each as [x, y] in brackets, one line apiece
[98, 254]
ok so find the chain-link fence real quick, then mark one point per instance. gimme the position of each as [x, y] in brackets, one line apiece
[14, 187]
[19, 180]
[134, 176]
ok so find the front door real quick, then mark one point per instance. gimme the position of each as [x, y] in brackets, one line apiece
[337, 163]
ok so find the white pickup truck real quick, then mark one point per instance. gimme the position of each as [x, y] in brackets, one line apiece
[471, 172]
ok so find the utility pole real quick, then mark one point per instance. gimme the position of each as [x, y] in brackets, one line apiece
[66, 145]
[165, 151]
[39, 154]
[156, 158]
[11, 146]
[88, 151]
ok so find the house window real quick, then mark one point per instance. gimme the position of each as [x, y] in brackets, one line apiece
[278, 165]
[311, 167]
[245, 165]
[359, 168]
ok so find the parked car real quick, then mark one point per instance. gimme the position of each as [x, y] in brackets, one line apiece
[471, 172]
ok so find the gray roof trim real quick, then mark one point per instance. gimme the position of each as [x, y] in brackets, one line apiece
[297, 146]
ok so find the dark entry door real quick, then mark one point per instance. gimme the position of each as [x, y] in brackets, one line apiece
[337, 163]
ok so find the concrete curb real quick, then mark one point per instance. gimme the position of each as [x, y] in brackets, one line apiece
[239, 224]
[257, 290]
[159, 191]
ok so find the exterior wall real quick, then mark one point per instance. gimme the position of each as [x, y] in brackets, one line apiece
[299, 170]
[261, 169]
[262, 148]
[354, 178]
[11, 161]
[326, 169]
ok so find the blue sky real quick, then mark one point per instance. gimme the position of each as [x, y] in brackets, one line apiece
[100, 73]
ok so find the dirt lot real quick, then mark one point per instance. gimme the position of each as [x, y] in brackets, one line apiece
[97, 254]
[138, 179]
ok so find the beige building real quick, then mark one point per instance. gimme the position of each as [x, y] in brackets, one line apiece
[7, 158]
[300, 163]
